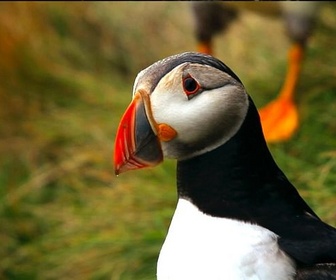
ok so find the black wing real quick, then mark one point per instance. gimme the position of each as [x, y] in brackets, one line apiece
[317, 272]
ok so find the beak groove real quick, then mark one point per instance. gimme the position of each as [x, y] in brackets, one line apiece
[137, 145]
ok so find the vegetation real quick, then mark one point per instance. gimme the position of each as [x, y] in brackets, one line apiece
[67, 71]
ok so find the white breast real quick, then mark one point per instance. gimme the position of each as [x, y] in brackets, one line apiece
[199, 246]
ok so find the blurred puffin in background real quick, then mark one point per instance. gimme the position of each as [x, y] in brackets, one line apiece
[279, 118]
[237, 217]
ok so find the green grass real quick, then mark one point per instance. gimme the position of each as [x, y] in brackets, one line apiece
[67, 72]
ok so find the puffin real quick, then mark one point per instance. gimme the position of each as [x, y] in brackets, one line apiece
[237, 215]
[280, 117]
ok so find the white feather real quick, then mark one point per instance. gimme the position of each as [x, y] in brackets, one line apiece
[220, 109]
[199, 246]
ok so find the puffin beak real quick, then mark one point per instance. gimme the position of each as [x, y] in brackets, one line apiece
[137, 144]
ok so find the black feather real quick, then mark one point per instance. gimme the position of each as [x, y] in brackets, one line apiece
[159, 69]
[240, 180]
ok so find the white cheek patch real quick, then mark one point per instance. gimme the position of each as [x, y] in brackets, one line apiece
[207, 120]
[193, 119]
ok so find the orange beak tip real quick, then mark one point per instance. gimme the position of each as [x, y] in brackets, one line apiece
[136, 144]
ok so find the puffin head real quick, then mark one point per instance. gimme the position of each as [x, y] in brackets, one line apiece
[183, 106]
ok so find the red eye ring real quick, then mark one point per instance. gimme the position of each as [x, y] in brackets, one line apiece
[190, 85]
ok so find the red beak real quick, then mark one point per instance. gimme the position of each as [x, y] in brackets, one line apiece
[136, 144]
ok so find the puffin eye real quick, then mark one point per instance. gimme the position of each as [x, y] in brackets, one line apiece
[190, 86]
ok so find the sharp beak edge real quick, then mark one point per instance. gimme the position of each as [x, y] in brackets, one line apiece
[137, 144]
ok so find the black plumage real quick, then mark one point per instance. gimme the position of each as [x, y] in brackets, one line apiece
[239, 179]
[243, 182]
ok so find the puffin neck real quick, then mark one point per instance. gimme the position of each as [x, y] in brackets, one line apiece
[229, 180]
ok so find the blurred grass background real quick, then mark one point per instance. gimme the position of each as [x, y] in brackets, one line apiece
[67, 71]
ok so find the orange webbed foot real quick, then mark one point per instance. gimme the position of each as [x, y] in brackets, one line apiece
[280, 118]
[205, 47]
